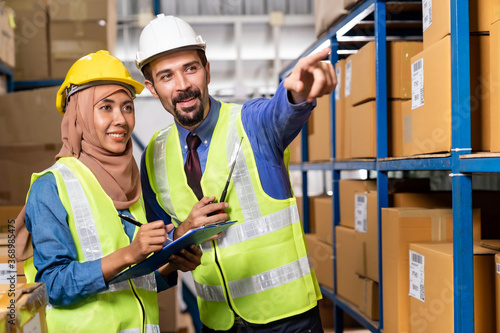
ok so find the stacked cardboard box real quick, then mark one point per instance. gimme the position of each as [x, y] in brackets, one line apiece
[432, 289]
[355, 102]
[326, 13]
[427, 120]
[58, 33]
[402, 226]
[30, 137]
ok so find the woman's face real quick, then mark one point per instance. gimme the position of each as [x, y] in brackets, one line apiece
[114, 121]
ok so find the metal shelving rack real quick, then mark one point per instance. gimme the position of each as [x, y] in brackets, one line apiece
[459, 161]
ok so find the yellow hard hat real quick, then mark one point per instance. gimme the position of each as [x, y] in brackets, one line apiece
[95, 68]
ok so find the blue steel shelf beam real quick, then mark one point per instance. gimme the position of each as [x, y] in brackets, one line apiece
[463, 275]
[480, 165]
[434, 163]
[381, 125]
[23, 85]
[9, 75]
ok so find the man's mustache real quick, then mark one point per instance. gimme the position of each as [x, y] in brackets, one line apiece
[186, 94]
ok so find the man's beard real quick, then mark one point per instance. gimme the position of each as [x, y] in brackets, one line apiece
[189, 117]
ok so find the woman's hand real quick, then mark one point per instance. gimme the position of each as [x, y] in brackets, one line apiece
[150, 238]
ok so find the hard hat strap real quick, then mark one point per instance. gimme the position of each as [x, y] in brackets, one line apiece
[74, 88]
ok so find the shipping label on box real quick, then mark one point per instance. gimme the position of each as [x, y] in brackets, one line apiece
[348, 77]
[426, 13]
[417, 83]
[417, 276]
[360, 223]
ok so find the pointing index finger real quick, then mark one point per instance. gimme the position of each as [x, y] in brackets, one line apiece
[317, 57]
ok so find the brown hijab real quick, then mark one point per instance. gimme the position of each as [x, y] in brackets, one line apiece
[117, 174]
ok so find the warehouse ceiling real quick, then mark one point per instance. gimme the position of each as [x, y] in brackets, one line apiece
[248, 41]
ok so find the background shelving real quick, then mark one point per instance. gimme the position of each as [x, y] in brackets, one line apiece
[377, 20]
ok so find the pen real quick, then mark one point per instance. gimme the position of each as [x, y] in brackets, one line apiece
[135, 222]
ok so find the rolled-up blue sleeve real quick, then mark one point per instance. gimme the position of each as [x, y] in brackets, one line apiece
[54, 252]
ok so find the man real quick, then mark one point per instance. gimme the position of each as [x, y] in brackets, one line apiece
[256, 276]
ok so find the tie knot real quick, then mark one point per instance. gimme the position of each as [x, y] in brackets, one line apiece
[193, 141]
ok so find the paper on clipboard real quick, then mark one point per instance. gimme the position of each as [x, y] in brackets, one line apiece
[193, 236]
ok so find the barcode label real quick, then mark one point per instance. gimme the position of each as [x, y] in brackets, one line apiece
[360, 222]
[426, 14]
[417, 84]
[417, 279]
[498, 268]
[338, 72]
[8, 273]
[348, 76]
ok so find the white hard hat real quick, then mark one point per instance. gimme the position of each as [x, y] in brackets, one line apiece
[163, 35]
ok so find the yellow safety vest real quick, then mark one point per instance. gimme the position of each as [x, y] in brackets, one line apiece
[129, 306]
[259, 269]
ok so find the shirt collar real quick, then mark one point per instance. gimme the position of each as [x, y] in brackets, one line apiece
[205, 128]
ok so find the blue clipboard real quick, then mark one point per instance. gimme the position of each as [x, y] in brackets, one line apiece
[193, 236]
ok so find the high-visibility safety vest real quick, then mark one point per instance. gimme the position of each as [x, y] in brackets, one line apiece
[259, 268]
[129, 306]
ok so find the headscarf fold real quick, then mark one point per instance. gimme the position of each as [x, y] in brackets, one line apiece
[117, 173]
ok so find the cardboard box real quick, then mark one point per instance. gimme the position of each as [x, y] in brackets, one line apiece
[434, 199]
[30, 301]
[399, 68]
[398, 71]
[407, 119]
[495, 86]
[326, 13]
[482, 13]
[363, 130]
[321, 255]
[296, 150]
[32, 38]
[400, 227]
[166, 306]
[395, 128]
[78, 28]
[431, 120]
[17, 163]
[363, 75]
[348, 188]
[7, 257]
[480, 92]
[322, 215]
[7, 25]
[350, 3]
[436, 21]
[340, 125]
[433, 310]
[3, 85]
[319, 129]
[349, 286]
[8, 214]
[369, 302]
[30, 117]
[366, 235]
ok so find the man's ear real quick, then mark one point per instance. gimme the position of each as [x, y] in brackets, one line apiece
[207, 69]
[151, 88]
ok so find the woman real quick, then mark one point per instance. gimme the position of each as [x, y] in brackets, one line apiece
[79, 241]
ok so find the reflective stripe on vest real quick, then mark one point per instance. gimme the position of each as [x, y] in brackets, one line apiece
[149, 329]
[87, 231]
[257, 283]
[84, 220]
[160, 171]
[256, 228]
